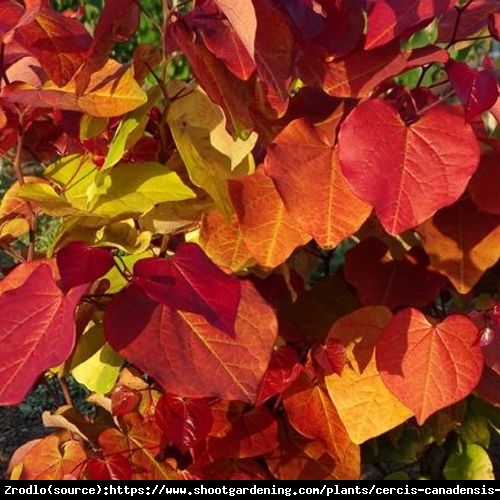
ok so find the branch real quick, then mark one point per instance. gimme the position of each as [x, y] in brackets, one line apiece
[32, 220]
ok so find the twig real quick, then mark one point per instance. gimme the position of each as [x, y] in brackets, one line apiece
[20, 179]
[65, 390]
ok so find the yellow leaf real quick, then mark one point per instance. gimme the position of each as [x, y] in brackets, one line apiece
[12, 229]
[95, 364]
[365, 405]
[192, 119]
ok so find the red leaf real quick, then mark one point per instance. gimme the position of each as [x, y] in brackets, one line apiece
[190, 282]
[221, 39]
[330, 356]
[13, 16]
[38, 332]
[58, 42]
[113, 467]
[283, 370]
[239, 433]
[117, 23]
[185, 353]
[81, 264]
[123, 400]
[429, 365]
[383, 281]
[484, 186]
[477, 90]
[389, 19]
[184, 421]
[418, 169]
[472, 20]
[241, 15]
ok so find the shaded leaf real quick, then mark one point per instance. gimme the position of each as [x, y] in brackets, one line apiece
[267, 228]
[417, 170]
[429, 365]
[389, 19]
[472, 462]
[312, 413]
[301, 458]
[301, 163]
[80, 264]
[239, 432]
[186, 354]
[462, 243]
[484, 186]
[139, 440]
[118, 20]
[190, 282]
[222, 241]
[114, 467]
[365, 405]
[382, 280]
[477, 90]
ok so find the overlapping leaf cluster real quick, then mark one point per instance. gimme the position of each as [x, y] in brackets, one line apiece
[261, 270]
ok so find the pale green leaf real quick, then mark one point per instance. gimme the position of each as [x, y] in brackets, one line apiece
[472, 462]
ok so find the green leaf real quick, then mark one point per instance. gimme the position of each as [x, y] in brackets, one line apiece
[137, 187]
[127, 188]
[130, 129]
[472, 462]
[95, 364]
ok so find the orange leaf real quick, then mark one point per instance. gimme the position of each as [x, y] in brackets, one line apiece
[306, 171]
[462, 243]
[429, 366]
[311, 412]
[267, 228]
[362, 71]
[112, 91]
[301, 458]
[365, 405]
[138, 439]
[223, 243]
[51, 459]
[187, 355]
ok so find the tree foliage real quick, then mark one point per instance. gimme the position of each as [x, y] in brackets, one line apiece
[282, 265]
